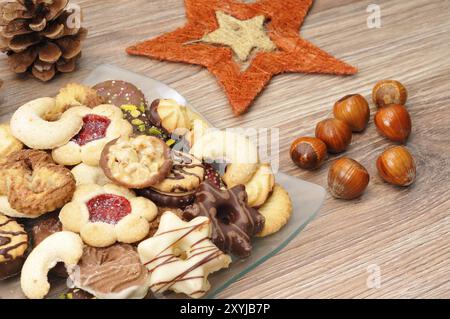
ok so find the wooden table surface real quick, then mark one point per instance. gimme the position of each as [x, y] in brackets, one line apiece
[401, 234]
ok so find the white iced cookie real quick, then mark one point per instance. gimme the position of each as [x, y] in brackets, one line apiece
[100, 125]
[30, 127]
[103, 215]
[232, 148]
[86, 174]
[64, 247]
[8, 143]
[180, 256]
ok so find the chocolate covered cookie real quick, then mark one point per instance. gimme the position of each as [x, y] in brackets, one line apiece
[120, 93]
[13, 246]
[234, 222]
[114, 272]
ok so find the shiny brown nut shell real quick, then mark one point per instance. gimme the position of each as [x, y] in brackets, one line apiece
[387, 92]
[336, 134]
[394, 122]
[308, 152]
[354, 110]
[347, 179]
[396, 166]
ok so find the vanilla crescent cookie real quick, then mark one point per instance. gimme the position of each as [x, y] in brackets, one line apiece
[86, 174]
[277, 211]
[8, 143]
[229, 147]
[32, 184]
[64, 247]
[186, 174]
[103, 215]
[180, 256]
[30, 127]
[101, 125]
[136, 162]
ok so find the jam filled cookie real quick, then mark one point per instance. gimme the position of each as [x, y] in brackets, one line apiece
[136, 162]
[8, 143]
[13, 246]
[64, 247]
[234, 222]
[114, 272]
[103, 215]
[277, 211]
[180, 256]
[101, 125]
[33, 184]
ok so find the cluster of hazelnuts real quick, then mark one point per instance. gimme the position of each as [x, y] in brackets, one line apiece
[348, 179]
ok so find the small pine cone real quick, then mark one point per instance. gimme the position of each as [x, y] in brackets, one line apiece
[41, 37]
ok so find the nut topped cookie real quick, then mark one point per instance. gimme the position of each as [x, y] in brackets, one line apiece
[13, 246]
[136, 162]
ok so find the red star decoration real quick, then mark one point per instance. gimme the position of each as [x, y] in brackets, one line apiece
[293, 53]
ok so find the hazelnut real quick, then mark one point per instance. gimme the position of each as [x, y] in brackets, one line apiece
[396, 166]
[394, 122]
[336, 134]
[308, 152]
[347, 179]
[389, 92]
[354, 110]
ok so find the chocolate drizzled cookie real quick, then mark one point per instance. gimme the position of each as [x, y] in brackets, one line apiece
[234, 222]
[13, 246]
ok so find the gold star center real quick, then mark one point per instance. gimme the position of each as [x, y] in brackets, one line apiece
[242, 36]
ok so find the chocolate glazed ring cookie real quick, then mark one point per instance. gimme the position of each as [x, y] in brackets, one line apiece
[234, 222]
[13, 246]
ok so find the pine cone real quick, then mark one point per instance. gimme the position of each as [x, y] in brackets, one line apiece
[39, 38]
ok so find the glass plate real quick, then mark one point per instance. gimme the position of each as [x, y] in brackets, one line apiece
[307, 198]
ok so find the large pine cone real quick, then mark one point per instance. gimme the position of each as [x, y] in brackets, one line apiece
[41, 36]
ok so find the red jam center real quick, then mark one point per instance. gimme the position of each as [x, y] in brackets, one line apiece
[94, 128]
[108, 208]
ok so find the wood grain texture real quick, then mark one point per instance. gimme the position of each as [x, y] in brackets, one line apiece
[405, 232]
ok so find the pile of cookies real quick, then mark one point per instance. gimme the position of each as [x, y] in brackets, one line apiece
[124, 197]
